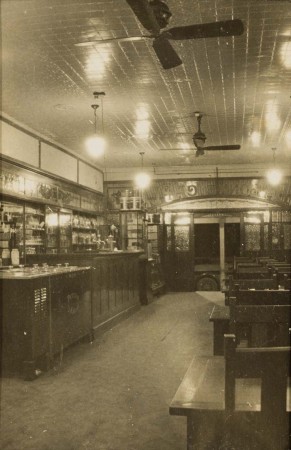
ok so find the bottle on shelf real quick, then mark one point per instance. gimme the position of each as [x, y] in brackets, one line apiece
[15, 257]
[100, 243]
[110, 242]
[6, 257]
[12, 237]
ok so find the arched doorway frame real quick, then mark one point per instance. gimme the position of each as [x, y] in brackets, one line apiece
[221, 210]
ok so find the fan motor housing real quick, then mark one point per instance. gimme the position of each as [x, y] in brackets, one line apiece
[161, 12]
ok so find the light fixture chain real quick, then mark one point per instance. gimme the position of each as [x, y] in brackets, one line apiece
[141, 154]
[95, 115]
[96, 143]
[274, 154]
[102, 115]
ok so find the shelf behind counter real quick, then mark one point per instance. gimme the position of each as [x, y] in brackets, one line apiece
[114, 282]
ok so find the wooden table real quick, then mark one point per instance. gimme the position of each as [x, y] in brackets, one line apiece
[220, 319]
[200, 398]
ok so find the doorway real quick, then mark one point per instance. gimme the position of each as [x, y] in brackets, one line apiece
[206, 240]
[232, 240]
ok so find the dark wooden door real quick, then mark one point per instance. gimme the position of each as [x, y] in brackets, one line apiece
[178, 254]
[206, 240]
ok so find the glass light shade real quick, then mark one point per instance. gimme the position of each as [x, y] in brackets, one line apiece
[52, 220]
[183, 220]
[256, 138]
[142, 129]
[274, 176]
[142, 180]
[96, 146]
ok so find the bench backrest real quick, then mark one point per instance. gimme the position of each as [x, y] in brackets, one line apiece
[242, 265]
[286, 281]
[253, 272]
[254, 283]
[250, 283]
[261, 297]
[241, 259]
[279, 265]
[281, 268]
[259, 324]
[266, 260]
[272, 366]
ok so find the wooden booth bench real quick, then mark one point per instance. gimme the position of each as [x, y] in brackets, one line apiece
[281, 273]
[220, 315]
[220, 319]
[255, 271]
[286, 281]
[251, 283]
[238, 401]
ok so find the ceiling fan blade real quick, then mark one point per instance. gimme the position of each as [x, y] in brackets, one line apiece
[206, 30]
[166, 54]
[145, 15]
[106, 41]
[222, 147]
[178, 148]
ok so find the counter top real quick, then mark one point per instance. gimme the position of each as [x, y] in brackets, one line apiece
[102, 253]
[28, 273]
[88, 254]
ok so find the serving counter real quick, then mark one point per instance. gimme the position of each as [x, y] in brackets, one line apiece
[114, 282]
[43, 310]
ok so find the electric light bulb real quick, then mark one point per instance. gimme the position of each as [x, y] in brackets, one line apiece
[142, 180]
[274, 176]
[96, 146]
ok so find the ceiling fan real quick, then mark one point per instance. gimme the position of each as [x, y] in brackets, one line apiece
[199, 139]
[154, 15]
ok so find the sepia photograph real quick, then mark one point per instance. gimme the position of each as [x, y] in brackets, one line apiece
[145, 225]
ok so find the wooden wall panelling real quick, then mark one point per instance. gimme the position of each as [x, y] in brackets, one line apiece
[134, 288]
[112, 285]
[123, 284]
[130, 282]
[103, 290]
[96, 294]
[118, 284]
[26, 305]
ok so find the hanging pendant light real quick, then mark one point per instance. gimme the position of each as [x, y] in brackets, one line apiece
[142, 179]
[274, 175]
[96, 144]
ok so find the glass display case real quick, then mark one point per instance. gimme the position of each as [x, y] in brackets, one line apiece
[52, 229]
[34, 223]
[65, 223]
[11, 230]
[35, 229]
[84, 232]
[58, 230]
[133, 230]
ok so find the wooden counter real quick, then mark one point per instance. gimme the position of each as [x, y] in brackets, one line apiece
[114, 283]
[43, 312]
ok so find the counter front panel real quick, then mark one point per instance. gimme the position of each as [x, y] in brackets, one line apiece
[43, 312]
[114, 278]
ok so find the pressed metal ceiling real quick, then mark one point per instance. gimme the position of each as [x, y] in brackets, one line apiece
[242, 84]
